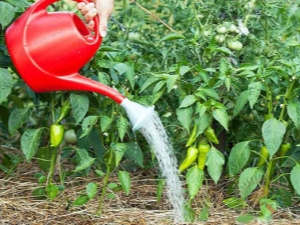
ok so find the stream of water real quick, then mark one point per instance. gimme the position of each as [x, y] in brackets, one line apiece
[155, 134]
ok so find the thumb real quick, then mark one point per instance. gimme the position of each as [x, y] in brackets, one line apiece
[103, 26]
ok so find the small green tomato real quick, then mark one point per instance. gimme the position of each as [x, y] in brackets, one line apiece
[221, 29]
[70, 137]
[234, 45]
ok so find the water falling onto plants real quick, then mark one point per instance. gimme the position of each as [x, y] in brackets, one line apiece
[155, 134]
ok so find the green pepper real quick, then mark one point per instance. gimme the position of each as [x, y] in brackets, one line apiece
[192, 137]
[65, 109]
[191, 157]
[264, 155]
[203, 148]
[211, 136]
[268, 116]
[56, 134]
[284, 148]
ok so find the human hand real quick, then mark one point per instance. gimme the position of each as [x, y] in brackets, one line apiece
[103, 8]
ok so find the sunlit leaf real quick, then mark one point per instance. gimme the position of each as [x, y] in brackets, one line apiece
[194, 179]
[295, 178]
[254, 92]
[91, 190]
[238, 157]
[124, 179]
[249, 179]
[215, 161]
[221, 116]
[185, 115]
[187, 101]
[273, 132]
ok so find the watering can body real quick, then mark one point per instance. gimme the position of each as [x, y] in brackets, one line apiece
[48, 50]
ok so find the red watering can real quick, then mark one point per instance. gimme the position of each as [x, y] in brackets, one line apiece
[49, 48]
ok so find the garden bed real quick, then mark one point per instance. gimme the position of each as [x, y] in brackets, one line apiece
[18, 206]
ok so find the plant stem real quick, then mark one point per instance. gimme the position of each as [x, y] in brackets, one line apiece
[285, 101]
[268, 175]
[52, 167]
[105, 181]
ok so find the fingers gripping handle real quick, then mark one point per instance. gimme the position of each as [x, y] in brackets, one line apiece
[43, 4]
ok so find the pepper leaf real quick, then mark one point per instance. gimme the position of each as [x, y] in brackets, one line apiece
[273, 132]
[215, 161]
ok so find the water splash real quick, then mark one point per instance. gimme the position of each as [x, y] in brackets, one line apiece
[155, 134]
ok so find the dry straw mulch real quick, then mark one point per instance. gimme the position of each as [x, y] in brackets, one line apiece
[18, 206]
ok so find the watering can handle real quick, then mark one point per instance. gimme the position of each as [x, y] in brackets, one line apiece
[43, 4]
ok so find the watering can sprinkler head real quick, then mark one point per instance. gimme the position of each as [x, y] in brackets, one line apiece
[48, 50]
[137, 113]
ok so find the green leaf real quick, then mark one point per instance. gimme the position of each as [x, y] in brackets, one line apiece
[7, 13]
[239, 155]
[249, 179]
[172, 36]
[209, 92]
[223, 67]
[204, 214]
[245, 218]
[215, 161]
[184, 116]
[52, 191]
[120, 150]
[150, 81]
[183, 70]
[105, 122]
[19, 3]
[80, 106]
[122, 126]
[30, 141]
[87, 125]
[81, 200]
[254, 92]
[203, 122]
[240, 103]
[267, 207]
[134, 152]
[16, 119]
[91, 190]
[224, 50]
[221, 116]
[194, 179]
[160, 188]
[126, 69]
[273, 132]
[124, 179]
[295, 178]
[84, 159]
[171, 81]
[157, 95]
[235, 203]
[5, 77]
[187, 101]
[293, 110]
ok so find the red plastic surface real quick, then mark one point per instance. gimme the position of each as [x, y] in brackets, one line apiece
[48, 49]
